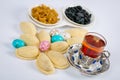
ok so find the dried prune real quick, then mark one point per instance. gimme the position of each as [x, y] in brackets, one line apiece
[78, 15]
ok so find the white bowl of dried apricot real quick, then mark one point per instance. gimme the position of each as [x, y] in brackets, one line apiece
[44, 15]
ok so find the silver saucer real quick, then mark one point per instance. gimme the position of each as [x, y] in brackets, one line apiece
[85, 64]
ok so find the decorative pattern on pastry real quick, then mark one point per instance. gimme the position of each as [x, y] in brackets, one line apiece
[74, 40]
[77, 32]
[28, 28]
[63, 52]
[60, 46]
[44, 64]
[30, 40]
[27, 52]
[43, 36]
[58, 59]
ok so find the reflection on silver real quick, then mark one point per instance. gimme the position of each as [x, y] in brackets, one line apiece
[85, 64]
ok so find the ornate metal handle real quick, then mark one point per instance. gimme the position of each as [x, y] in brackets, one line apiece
[106, 53]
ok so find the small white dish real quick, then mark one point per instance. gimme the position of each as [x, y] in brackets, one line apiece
[77, 24]
[43, 24]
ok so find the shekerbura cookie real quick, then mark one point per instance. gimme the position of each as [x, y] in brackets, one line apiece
[58, 59]
[30, 40]
[77, 32]
[74, 40]
[44, 64]
[28, 28]
[59, 46]
[27, 52]
[43, 36]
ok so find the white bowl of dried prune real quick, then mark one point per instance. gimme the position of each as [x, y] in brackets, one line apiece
[78, 15]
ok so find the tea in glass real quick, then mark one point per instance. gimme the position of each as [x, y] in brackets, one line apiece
[93, 44]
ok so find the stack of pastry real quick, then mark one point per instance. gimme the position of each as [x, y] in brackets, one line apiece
[49, 55]
[47, 60]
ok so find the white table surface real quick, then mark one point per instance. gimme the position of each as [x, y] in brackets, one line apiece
[12, 12]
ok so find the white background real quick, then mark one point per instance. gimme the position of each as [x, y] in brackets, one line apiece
[12, 12]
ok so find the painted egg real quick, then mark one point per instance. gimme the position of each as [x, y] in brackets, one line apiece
[65, 35]
[54, 32]
[44, 45]
[56, 38]
[17, 43]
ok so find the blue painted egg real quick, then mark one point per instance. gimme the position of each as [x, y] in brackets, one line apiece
[17, 43]
[56, 38]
